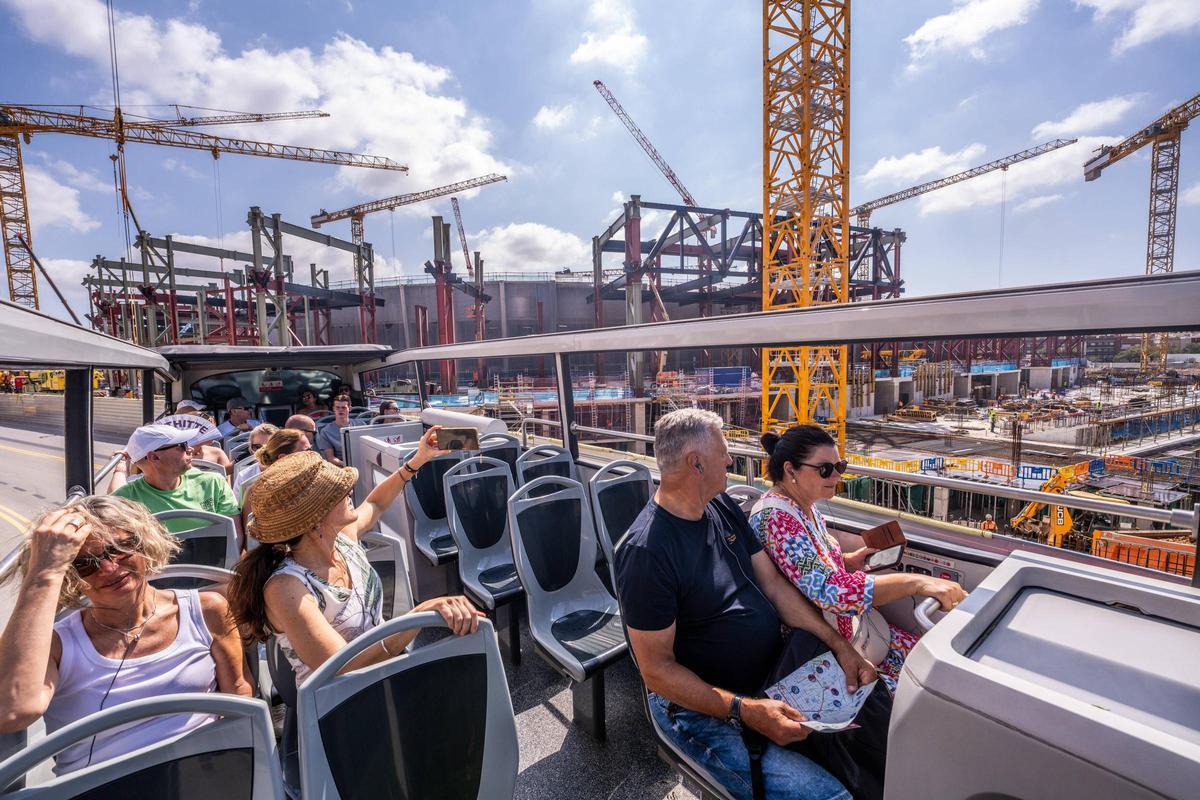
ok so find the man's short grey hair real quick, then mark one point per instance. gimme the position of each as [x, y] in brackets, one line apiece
[684, 430]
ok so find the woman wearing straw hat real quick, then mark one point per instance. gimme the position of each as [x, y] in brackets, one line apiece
[309, 582]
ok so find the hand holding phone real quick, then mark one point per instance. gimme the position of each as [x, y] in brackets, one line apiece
[458, 439]
[887, 540]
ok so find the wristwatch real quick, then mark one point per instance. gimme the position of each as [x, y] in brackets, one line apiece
[735, 712]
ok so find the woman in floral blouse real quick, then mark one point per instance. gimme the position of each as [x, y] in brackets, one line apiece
[804, 465]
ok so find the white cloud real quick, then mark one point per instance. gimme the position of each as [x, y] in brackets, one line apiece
[1023, 181]
[551, 118]
[910, 168]
[1088, 118]
[532, 246]
[175, 165]
[1147, 19]
[966, 27]
[1191, 195]
[1034, 203]
[73, 175]
[52, 203]
[382, 101]
[615, 41]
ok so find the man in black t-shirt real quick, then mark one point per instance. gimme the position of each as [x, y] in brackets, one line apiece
[704, 606]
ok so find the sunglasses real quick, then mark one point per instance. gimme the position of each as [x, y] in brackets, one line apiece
[254, 448]
[85, 565]
[170, 447]
[829, 467]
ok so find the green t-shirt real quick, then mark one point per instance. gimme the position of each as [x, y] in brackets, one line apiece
[205, 491]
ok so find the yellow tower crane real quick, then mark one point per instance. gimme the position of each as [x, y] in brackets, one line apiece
[1164, 134]
[806, 202]
[19, 123]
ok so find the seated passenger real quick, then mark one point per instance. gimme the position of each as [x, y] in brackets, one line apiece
[283, 442]
[311, 405]
[237, 418]
[168, 479]
[257, 441]
[309, 582]
[805, 467]
[127, 641]
[329, 438]
[388, 408]
[704, 607]
[304, 424]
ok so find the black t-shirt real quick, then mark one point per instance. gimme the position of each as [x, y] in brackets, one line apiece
[697, 574]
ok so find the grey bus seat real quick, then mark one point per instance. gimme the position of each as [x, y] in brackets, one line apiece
[619, 491]
[477, 491]
[238, 451]
[208, 466]
[190, 576]
[245, 487]
[503, 446]
[213, 542]
[384, 419]
[434, 722]
[745, 496]
[362, 416]
[232, 757]
[11, 743]
[573, 619]
[426, 501]
[283, 679]
[385, 551]
[358, 410]
[233, 441]
[242, 464]
[543, 460]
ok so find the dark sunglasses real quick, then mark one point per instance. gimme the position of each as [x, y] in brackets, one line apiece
[169, 447]
[254, 448]
[85, 565]
[829, 467]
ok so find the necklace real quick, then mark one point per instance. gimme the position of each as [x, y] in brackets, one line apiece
[125, 632]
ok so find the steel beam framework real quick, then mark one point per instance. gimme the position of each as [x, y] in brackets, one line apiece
[806, 209]
[14, 224]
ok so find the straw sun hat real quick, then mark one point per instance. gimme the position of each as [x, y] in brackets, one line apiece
[295, 493]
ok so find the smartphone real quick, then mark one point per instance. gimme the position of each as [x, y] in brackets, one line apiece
[884, 536]
[458, 439]
[884, 559]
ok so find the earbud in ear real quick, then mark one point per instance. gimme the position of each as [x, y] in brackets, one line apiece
[700, 468]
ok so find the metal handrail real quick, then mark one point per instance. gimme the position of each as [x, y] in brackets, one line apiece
[1188, 520]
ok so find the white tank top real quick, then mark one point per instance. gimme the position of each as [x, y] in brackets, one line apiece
[185, 665]
[351, 611]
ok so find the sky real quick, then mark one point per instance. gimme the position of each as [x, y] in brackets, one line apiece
[466, 87]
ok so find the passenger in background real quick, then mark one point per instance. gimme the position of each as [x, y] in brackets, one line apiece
[704, 606]
[311, 405]
[257, 441]
[127, 641]
[805, 467]
[305, 424]
[388, 408]
[329, 438]
[309, 582]
[237, 418]
[168, 480]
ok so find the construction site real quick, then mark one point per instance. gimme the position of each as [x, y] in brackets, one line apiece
[1055, 412]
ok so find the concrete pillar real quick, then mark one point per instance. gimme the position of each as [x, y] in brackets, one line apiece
[941, 503]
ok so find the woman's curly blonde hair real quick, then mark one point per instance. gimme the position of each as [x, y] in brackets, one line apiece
[113, 520]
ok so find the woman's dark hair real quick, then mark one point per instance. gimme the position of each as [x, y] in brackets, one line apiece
[794, 446]
[250, 576]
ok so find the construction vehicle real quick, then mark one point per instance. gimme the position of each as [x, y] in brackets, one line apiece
[1060, 521]
[55, 380]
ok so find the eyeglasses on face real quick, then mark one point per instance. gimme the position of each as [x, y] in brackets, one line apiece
[170, 447]
[85, 565]
[254, 448]
[827, 468]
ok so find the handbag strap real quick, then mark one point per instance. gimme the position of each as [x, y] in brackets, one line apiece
[756, 745]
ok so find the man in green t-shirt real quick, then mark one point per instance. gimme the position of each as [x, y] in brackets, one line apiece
[168, 481]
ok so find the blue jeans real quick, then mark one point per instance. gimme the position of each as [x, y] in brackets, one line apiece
[715, 745]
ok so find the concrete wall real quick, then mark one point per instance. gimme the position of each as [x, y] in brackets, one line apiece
[112, 417]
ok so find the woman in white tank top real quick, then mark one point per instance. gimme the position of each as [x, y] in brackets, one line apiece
[131, 641]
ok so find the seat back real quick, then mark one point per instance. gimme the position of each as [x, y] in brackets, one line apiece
[234, 441]
[238, 451]
[477, 491]
[425, 493]
[745, 496]
[362, 416]
[213, 542]
[554, 549]
[245, 487]
[434, 722]
[358, 410]
[208, 466]
[385, 551]
[544, 460]
[242, 464]
[383, 419]
[619, 491]
[503, 446]
[190, 576]
[233, 757]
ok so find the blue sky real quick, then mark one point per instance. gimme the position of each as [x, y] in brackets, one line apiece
[457, 89]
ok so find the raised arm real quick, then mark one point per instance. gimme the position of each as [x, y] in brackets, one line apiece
[383, 495]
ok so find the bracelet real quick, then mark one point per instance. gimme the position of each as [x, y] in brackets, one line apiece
[408, 467]
[385, 650]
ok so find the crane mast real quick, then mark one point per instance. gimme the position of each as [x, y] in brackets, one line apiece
[1164, 135]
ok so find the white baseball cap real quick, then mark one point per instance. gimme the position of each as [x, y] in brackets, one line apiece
[149, 438]
[192, 404]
